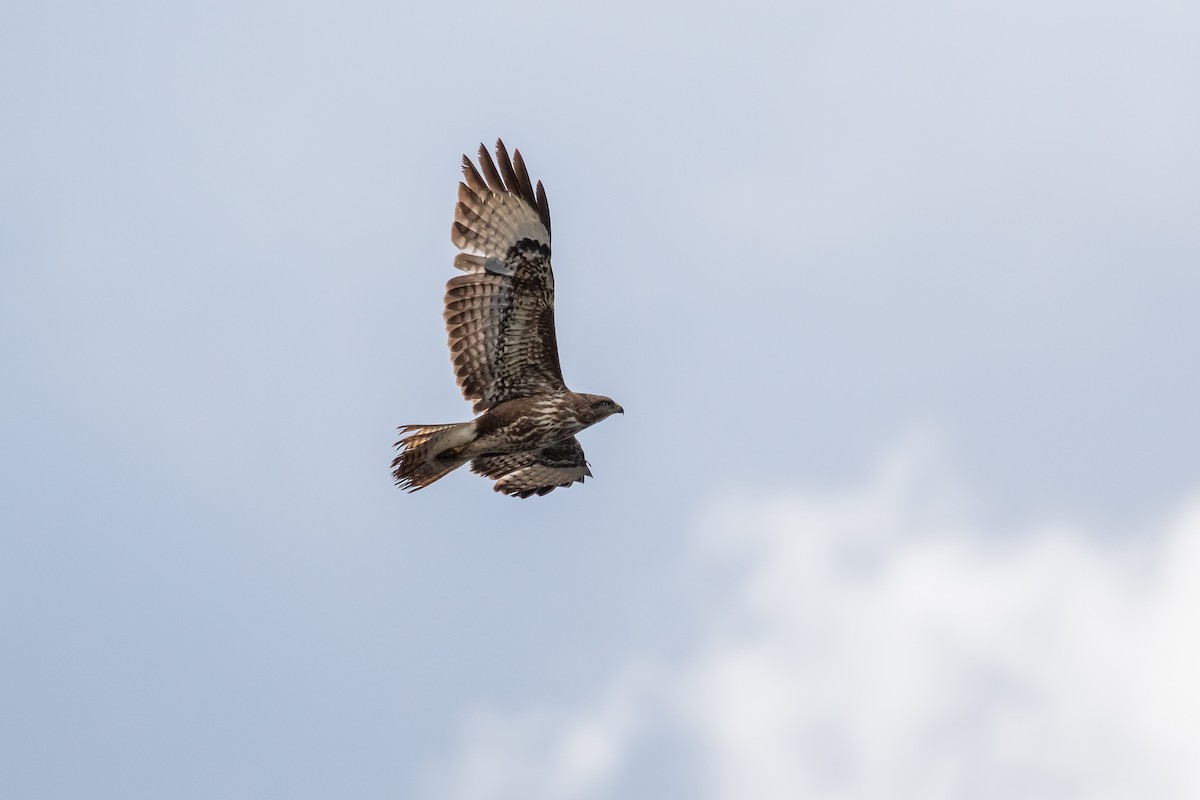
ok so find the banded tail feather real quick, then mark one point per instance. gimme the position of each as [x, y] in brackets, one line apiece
[430, 452]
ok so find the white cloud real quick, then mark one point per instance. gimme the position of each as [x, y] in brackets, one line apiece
[542, 754]
[876, 643]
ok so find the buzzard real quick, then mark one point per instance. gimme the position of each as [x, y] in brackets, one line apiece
[500, 321]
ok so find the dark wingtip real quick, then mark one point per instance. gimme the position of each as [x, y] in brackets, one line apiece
[543, 205]
[524, 185]
[490, 173]
[504, 163]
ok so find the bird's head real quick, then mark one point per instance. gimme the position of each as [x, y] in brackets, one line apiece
[596, 407]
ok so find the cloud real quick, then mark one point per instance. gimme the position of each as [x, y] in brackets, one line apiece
[878, 642]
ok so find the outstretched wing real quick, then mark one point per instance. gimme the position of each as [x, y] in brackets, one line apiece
[500, 315]
[536, 472]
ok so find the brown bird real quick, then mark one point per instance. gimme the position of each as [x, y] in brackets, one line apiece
[500, 321]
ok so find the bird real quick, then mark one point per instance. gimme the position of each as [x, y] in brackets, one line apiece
[499, 319]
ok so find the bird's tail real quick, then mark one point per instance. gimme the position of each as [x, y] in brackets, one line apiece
[429, 452]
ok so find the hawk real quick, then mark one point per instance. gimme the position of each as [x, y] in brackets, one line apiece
[500, 321]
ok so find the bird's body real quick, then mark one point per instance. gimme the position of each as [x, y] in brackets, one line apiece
[500, 321]
[530, 423]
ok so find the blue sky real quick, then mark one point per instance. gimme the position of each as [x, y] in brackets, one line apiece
[800, 243]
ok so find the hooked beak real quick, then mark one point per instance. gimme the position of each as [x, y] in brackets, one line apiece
[619, 409]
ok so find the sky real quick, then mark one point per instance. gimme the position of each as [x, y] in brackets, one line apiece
[900, 300]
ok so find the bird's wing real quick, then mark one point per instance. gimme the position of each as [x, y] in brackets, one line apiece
[500, 314]
[537, 471]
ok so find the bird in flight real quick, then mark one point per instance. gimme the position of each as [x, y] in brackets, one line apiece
[500, 321]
